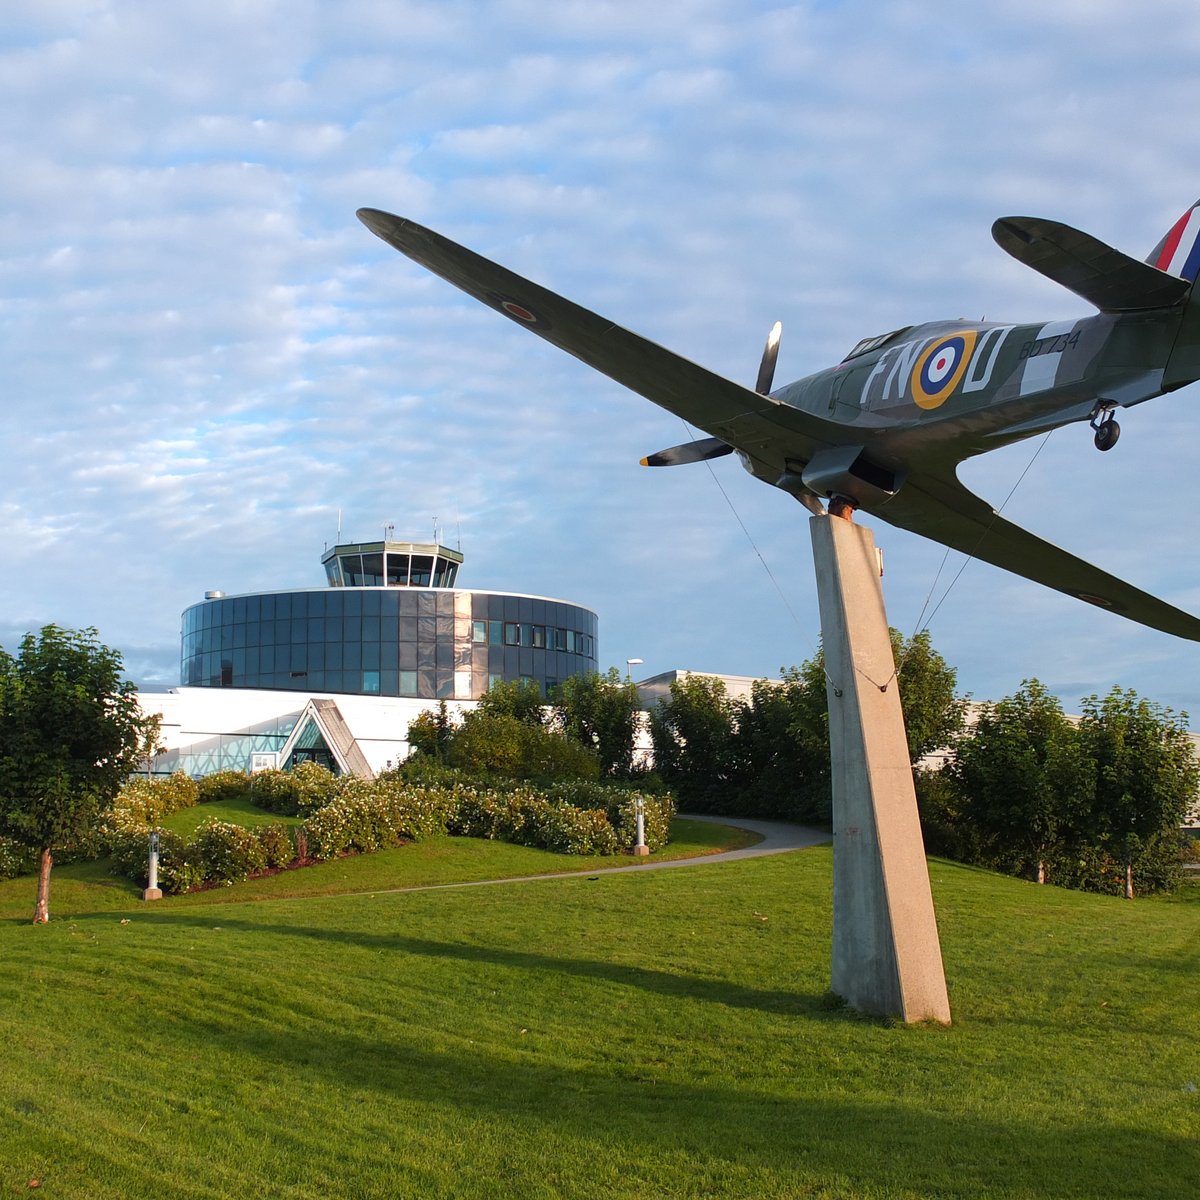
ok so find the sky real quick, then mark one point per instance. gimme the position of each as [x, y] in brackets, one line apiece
[208, 362]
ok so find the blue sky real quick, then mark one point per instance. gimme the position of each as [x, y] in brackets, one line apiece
[206, 356]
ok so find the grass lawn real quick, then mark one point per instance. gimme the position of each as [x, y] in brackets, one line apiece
[82, 888]
[661, 1033]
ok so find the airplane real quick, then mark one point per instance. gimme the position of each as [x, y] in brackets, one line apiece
[885, 429]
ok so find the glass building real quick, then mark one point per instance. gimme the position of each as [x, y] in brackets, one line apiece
[390, 623]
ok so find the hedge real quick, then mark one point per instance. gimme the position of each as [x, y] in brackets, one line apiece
[360, 817]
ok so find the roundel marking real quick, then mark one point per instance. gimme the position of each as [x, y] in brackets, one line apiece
[1098, 601]
[518, 311]
[940, 368]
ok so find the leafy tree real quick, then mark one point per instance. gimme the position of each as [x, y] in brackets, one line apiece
[601, 713]
[693, 736]
[519, 698]
[429, 732]
[933, 711]
[781, 746]
[1146, 771]
[491, 745]
[1023, 779]
[70, 734]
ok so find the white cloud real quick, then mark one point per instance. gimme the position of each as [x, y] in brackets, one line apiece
[206, 356]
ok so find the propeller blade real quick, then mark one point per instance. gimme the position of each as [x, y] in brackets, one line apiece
[689, 452]
[766, 370]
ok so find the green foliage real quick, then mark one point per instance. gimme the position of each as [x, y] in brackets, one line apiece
[16, 859]
[498, 745]
[429, 732]
[693, 737]
[601, 713]
[1092, 806]
[520, 698]
[70, 734]
[781, 743]
[1024, 780]
[223, 785]
[304, 789]
[149, 800]
[769, 755]
[225, 853]
[1146, 772]
[277, 846]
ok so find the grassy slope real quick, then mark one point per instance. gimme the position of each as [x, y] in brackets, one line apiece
[631, 1035]
[83, 888]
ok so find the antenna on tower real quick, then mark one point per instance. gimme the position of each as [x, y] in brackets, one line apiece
[435, 532]
[339, 536]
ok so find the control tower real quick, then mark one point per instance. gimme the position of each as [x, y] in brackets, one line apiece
[390, 622]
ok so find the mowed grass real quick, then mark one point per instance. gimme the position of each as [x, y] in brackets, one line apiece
[661, 1033]
[82, 888]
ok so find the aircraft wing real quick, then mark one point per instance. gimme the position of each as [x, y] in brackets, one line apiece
[942, 509]
[1105, 277]
[705, 399]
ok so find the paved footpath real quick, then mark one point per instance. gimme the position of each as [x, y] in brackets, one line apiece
[777, 838]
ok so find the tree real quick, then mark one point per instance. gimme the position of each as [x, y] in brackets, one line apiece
[601, 713]
[781, 746]
[933, 712]
[693, 736]
[518, 698]
[1023, 779]
[70, 734]
[1146, 771]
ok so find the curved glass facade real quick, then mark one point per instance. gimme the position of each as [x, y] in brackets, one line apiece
[424, 643]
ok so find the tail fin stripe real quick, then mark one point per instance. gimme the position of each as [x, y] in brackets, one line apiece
[1180, 254]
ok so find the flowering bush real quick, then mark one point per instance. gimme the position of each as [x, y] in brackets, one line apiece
[362, 816]
[304, 789]
[16, 859]
[149, 800]
[277, 846]
[224, 785]
[225, 853]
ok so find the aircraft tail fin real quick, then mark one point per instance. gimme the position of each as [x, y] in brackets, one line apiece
[1179, 251]
[1105, 277]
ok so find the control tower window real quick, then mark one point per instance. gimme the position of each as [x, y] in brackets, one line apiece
[422, 567]
[441, 572]
[397, 570]
[372, 565]
[333, 573]
[352, 569]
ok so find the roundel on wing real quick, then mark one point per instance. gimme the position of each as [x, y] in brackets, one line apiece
[941, 367]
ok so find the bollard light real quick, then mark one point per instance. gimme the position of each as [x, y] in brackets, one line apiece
[641, 848]
[153, 891]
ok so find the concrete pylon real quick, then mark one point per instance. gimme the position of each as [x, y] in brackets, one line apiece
[886, 954]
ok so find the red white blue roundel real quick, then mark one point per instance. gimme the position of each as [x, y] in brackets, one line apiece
[941, 367]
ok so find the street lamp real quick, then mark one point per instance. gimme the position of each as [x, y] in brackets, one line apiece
[631, 662]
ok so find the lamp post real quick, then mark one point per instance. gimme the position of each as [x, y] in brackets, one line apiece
[629, 663]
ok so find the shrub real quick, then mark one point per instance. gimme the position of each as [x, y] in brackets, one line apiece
[370, 817]
[294, 793]
[225, 853]
[224, 785]
[276, 845]
[149, 800]
[275, 791]
[16, 859]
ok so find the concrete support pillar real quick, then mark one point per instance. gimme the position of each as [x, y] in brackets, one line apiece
[886, 954]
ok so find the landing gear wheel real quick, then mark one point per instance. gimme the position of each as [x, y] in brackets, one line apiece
[1107, 433]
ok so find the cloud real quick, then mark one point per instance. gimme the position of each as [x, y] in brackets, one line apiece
[206, 356]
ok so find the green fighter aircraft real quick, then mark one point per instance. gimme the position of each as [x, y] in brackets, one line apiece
[885, 429]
